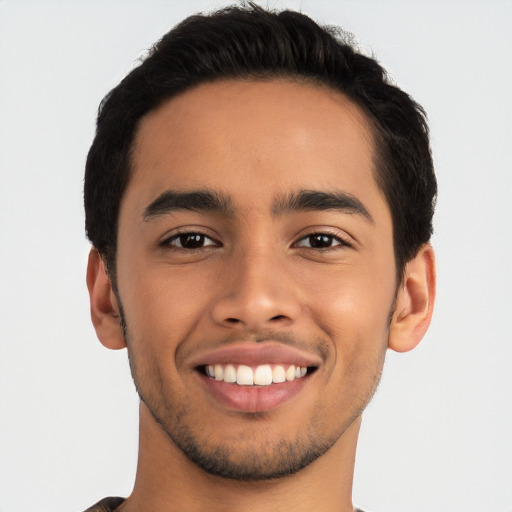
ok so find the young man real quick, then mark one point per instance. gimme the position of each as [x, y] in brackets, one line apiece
[259, 199]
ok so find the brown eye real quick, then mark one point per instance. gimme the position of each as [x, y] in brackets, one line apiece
[190, 241]
[320, 241]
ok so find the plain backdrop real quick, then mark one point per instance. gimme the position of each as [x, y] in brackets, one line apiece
[437, 436]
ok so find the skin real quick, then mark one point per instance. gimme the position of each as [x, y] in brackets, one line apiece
[260, 277]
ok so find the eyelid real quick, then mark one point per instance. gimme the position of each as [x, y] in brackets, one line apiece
[179, 235]
[174, 234]
[344, 239]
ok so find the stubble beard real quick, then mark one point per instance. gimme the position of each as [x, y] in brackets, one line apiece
[271, 460]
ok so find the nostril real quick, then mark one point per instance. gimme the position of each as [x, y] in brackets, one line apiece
[277, 317]
[232, 320]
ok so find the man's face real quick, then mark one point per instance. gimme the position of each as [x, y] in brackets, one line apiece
[253, 234]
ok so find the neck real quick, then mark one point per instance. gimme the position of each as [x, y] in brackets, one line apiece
[167, 481]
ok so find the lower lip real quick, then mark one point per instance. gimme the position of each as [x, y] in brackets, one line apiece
[253, 398]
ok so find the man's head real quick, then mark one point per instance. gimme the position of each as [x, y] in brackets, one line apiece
[254, 187]
[251, 43]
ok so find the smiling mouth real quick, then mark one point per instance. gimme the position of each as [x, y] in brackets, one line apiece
[258, 376]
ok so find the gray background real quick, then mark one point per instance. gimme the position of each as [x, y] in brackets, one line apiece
[438, 435]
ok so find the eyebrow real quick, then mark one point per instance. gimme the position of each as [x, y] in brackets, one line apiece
[197, 200]
[313, 200]
[215, 202]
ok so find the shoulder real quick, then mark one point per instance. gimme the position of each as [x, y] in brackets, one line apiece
[106, 505]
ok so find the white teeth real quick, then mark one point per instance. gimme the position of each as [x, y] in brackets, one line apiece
[229, 373]
[278, 374]
[244, 376]
[262, 375]
[219, 372]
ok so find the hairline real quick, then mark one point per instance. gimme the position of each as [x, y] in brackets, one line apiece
[371, 130]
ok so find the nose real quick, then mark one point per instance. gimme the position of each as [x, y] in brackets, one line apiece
[256, 291]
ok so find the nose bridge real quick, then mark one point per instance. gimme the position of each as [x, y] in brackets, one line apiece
[257, 291]
[258, 274]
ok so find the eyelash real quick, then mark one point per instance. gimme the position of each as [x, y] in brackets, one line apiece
[341, 241]
[168, 242]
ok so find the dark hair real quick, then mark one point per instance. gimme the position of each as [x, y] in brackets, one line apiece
[249, 42]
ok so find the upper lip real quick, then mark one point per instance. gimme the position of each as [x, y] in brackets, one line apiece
[255, 354]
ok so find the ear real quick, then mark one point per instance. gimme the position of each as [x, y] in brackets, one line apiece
[104, 306]
[414, 302]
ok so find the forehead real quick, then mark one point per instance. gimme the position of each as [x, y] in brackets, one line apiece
[254, 140]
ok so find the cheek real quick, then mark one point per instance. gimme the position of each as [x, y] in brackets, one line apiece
[352, 304]
[163, 307]
[352, 309]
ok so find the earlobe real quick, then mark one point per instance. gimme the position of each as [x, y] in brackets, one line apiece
[414, 302]
[104, 307]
